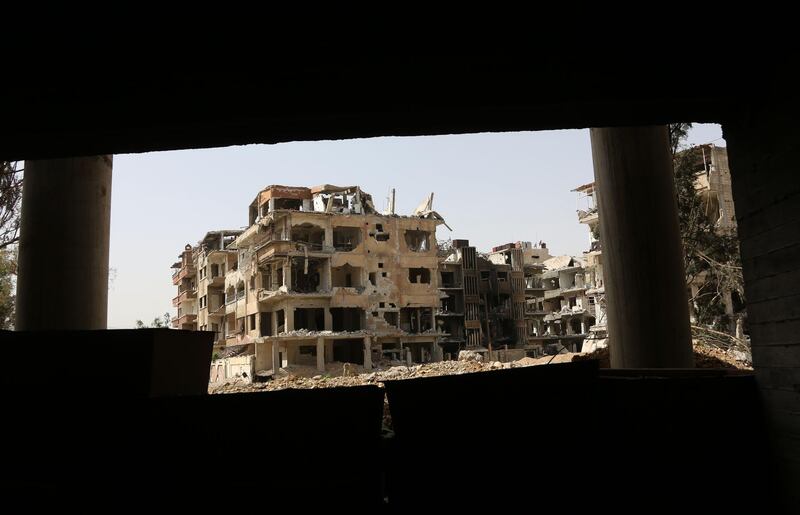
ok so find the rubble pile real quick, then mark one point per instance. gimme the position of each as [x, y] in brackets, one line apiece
[710, 356]
[308, 333]
[705, 356]
[348, 374]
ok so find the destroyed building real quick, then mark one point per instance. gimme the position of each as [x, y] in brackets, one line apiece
[712, 182]
[318, 276]
[564, 311]
[595, 289]
[200, 278]
[184, 276]
[484, 297]
[214, 261]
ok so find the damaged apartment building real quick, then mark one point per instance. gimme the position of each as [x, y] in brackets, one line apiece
[712, 182]
[200, 277]
[565, 310]
[318, 276]
[484, 297]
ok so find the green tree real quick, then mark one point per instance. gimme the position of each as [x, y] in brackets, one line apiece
[10, 202]
[158, 322]
[8, 266]
[710, 255]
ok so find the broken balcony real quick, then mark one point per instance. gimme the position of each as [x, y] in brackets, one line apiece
[309, 236]
[183, 273]
[416, 320]
[307, 274]
[217, 275]
[185, 321]
[346, 239]
[183, 296]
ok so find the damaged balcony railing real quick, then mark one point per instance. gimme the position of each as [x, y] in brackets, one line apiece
[312, 246]
[343, 247]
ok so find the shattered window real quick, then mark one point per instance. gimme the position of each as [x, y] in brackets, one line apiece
[417, 241]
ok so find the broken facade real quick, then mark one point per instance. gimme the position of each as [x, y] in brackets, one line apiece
[567, 308]
[320, 276]
[184, 276]
[484, 297]
[713, 184]
[595, 289]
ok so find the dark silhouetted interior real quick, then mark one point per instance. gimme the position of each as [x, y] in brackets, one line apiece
[122, 417]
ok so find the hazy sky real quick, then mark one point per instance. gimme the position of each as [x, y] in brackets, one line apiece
[492, 188]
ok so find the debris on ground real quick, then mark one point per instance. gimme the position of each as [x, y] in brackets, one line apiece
[707, 355]
[349, 374]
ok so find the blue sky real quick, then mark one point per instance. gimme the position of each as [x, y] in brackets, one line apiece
[492, 188]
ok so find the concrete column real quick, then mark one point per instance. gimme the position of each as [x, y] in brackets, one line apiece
[328, 319]
[583, 326]
[321, 354]
[325, 276]
[276, 362]
[288, 318]
[329, 237]
[274, 319]
[64, 240]
[287, 274]
[645, 284]
[367, 353]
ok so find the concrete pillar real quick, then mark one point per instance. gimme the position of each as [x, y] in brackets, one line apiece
[367, 353]
[583, 326]
[648, 316]
[321, 354]
[325, 276]
[288, 318]
[276, 361]
[287, 274]
[328, 319]
[274, 319]
[62, 280]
